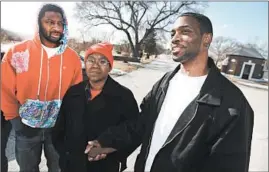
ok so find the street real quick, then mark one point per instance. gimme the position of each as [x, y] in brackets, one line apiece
[142, 80]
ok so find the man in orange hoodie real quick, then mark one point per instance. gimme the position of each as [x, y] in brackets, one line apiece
[35, 76]
[5, 131]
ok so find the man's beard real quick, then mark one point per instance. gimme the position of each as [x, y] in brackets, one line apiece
[48, 37]
[186, 57]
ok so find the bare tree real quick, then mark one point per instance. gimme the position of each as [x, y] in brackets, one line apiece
[260, 45]
[88, 34]
[221, 46]
[79, 46]
[261, 48]
[83, 35]
[9, 36]
[137, 19]
[76, 45]
[4, 36]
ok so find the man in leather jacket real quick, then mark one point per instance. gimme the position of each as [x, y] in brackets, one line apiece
[193, 120]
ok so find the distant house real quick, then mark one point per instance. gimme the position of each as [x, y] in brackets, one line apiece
[246, 63]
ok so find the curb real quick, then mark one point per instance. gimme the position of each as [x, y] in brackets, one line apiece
[252, 86]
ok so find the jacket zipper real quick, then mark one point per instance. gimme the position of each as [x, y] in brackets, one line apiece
[148, 147]
[48, 76]
[182, 128]
[46, 90]
[176, 134]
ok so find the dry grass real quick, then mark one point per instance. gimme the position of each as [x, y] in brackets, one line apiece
[126, 67]
[145, 61]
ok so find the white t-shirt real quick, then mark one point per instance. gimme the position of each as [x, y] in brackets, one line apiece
[181, 92]
[50, 51]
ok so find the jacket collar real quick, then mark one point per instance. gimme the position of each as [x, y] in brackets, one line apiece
[111, 87]
[210, 92]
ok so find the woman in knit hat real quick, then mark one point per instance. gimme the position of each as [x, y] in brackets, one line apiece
[90, 108]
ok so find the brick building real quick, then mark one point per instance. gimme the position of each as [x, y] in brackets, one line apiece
[246, 63]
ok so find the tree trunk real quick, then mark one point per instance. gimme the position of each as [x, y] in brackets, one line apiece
[136, 53]
[137, 45]
[135, 49]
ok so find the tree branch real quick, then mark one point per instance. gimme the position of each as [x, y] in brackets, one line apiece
[136, 19]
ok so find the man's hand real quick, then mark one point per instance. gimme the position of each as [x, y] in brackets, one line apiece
[96, 152]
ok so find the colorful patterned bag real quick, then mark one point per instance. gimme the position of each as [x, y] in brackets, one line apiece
[41, 114]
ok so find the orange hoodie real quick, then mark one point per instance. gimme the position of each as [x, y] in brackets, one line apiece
[20, 69]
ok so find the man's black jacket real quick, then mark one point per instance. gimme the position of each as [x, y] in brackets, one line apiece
[213, 134]
[81, 120]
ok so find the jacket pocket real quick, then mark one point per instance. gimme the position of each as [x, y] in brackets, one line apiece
[225, 131]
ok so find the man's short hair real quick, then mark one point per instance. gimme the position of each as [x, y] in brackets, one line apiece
[204, 21]
[49, 7]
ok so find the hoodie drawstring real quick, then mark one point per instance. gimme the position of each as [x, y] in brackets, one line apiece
[40, 75]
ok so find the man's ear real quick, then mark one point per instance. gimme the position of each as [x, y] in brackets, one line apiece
[207, 39]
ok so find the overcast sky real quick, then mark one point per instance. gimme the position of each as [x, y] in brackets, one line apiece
[244, 21]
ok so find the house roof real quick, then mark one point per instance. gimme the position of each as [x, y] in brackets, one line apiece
[212, 54]
[248, 52]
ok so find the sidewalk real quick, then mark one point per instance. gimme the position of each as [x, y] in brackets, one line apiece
[247, 83]
[253, 85]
